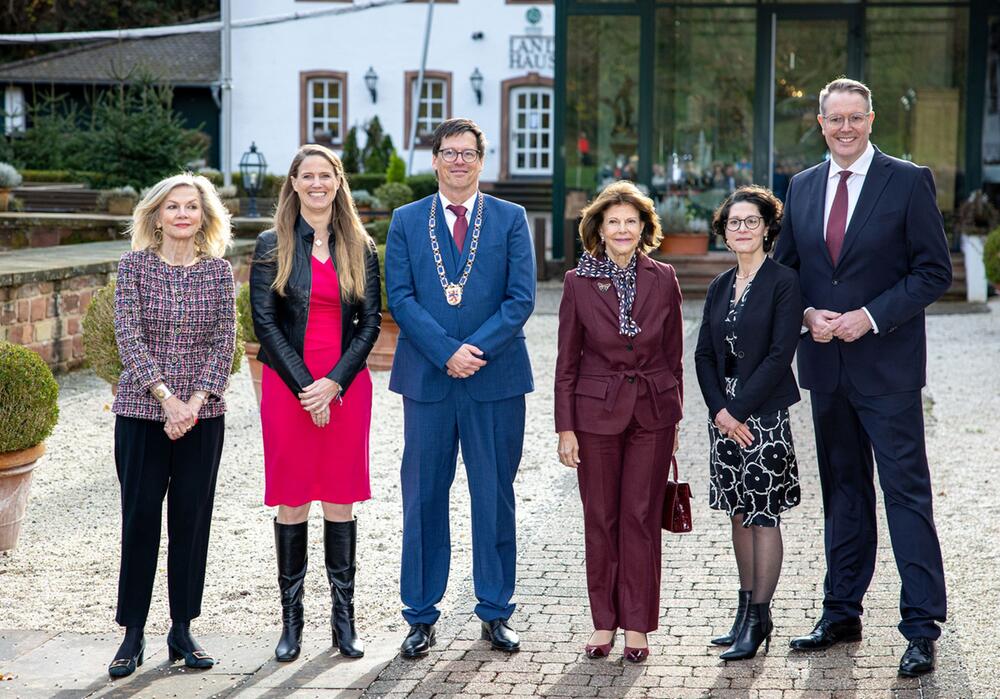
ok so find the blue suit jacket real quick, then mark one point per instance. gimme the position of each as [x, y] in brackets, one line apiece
[497, 300]
[895, 262]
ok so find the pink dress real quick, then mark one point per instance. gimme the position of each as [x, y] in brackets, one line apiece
[303, 462]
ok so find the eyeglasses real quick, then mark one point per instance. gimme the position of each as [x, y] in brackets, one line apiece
[752, 223]
[450, 155]
[837, 120]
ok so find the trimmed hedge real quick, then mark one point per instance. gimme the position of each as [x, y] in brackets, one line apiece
[29, 398]
[369, 181]
[378, 230]
[244, 320]
[991, 256]
[422, 185]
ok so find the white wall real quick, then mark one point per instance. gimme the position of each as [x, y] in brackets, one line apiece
[267, 61]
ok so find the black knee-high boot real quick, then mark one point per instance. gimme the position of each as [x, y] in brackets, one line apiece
[291, 544]
[741, 615]
[756, 630]
[340, 540]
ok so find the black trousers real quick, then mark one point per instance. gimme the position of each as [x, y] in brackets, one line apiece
[850, 429]
[151, 466]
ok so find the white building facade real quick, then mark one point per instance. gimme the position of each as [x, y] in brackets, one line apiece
[305, 81]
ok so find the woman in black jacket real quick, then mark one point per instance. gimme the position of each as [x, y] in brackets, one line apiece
[749, 332]
[316, 300]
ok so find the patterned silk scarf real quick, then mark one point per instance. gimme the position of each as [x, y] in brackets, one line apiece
[624, 281]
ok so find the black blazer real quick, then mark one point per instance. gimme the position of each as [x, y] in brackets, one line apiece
[280, 322]
[767, 335]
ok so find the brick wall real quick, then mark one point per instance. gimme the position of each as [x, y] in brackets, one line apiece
[46, 316]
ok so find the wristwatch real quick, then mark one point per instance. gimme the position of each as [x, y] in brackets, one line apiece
[161, 392]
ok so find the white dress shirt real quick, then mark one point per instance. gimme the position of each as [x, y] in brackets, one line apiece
[449, 215]
[859, 170]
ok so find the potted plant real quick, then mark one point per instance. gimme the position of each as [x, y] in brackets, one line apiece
[118, 201]
[991, 257]
[244, 325]
[683, 232]
[100, 348]
[29, 410]
[230, 200]
[380, 358]
[9, 178]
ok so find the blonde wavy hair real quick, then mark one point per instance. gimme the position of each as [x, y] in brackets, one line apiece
[352, 241]
[211, 240]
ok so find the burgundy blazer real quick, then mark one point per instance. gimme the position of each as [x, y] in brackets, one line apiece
[603, 378]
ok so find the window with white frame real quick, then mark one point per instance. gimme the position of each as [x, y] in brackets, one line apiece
[324, 108]
[434, 103]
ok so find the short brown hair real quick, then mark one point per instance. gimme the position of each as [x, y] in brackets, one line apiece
[621, 192]
[767, 204]
[845, 85]
[454, 127]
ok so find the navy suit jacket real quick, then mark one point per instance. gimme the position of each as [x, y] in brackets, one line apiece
[894, 261]
[767, 333]
[497, 300]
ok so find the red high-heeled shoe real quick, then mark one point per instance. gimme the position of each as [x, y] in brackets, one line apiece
[635, 655]
[599, 651]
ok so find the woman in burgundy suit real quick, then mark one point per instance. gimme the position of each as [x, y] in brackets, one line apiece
[618, 398]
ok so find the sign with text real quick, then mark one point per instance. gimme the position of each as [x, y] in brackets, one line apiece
[533, 52]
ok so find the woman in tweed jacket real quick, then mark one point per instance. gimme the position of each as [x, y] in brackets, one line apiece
[175, 323]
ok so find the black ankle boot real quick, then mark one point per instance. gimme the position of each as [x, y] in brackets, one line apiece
[130, 653]
[290, 544]
[340, 540]
[181, 645]
[741, 614]
[756, 630]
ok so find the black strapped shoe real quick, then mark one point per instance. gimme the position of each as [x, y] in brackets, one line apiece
[418, 641]
[918, 658]
[828, 633]
[741, 614]
[501, 635]
[290, 544]
[757, 628]
[339, 541]
[130, 654]
[182, 646]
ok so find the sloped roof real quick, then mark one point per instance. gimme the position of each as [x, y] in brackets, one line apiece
[180, 59]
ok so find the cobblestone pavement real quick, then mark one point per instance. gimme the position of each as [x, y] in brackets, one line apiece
[698, 591]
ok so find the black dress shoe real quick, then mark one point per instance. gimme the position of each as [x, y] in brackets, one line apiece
[418, 641]
[182, 646]
[129, 656]
[918, 658]
[828, 633]
[501, 636]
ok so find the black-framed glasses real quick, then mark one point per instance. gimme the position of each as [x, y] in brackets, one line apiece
[752, 223]
[837, 120]
[450, 155]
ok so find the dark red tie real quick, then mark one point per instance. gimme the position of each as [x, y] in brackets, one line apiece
[461, 225]
[836, 225]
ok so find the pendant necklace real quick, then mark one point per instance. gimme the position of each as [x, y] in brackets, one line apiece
[453, 291]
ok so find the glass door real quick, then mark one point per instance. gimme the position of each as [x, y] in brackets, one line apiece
[531, 131]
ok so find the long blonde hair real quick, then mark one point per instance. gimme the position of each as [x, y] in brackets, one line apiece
[215, 234]
[351, 239]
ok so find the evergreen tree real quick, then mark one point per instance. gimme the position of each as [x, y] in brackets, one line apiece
[374, 159]
[351, 156]
[396, 171]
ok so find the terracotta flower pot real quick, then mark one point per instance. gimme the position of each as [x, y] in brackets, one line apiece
[15, 483]
[250, 349]
[380, 358]
[684, 244]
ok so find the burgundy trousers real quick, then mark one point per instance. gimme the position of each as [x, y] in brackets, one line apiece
[623, 478]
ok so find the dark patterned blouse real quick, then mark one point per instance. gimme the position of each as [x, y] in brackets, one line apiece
[176, 325]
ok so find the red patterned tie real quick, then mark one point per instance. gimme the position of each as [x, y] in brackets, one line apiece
[836, 225]
[461, 225]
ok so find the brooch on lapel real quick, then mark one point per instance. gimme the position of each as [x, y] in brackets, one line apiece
[603, 286]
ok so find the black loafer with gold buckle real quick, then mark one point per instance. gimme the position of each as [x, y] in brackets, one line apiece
[123, 667]
[183, 647]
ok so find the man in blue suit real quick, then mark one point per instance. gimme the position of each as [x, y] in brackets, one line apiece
[460, 278]
[865, 233]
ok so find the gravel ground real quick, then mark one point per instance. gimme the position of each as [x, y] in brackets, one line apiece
[63, 574]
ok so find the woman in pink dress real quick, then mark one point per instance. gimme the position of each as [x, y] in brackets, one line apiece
[316, 299]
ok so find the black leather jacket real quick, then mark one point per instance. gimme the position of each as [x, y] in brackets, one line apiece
[280, 321]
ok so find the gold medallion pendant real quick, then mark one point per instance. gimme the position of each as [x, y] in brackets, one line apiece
[453, 294]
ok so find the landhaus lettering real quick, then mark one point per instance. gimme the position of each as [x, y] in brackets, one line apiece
[532, 52]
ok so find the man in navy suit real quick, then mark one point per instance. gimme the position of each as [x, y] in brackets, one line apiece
[460, 278]
[865, 233]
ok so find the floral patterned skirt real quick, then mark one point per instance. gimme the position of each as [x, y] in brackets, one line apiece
[761, 481]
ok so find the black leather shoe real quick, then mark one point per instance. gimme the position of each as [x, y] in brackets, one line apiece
[741, 615]
[828, 633]
[182, 646]
[130, 654]
[418, 641]
[918, 658]
[340, 543]
[501, 636]
[290, 544]
[756, 629]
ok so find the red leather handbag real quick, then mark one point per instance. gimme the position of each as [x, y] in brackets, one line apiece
[677, 504]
